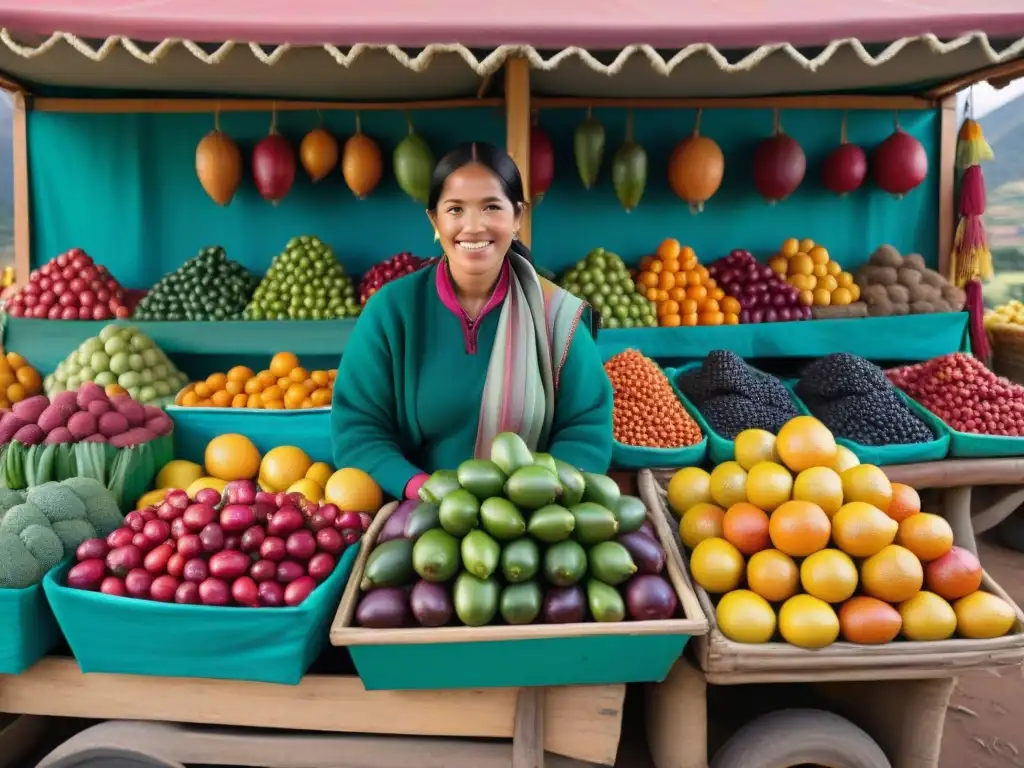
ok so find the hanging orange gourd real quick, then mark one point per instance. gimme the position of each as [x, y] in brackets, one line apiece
[219, 164]
[696, 167]
[361, 162]
[318, 153]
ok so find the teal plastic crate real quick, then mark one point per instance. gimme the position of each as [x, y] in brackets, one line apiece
[886, 455]
[308, 429]
[500, 656]
[720, 449]
[28, 630]
[121, 635]
[635, 457]
[965, 445]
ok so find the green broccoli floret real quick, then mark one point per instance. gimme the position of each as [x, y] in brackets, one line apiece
[21, 517]
[44, 544]
[100, 507]
[56, 502]
[10, 499]
[18, 568]
[73, 532]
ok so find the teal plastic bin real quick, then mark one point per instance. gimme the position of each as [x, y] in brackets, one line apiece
[308, 429]
[720, 449]
[28, 630]
[965, 445]
[884, 455]
[122, 635]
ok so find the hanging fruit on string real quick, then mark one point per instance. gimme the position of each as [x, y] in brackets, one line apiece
[899, 164]
[219, 164]
[779, 164]
[273, 164]
[414, 164]
[588, 147]
[542, 163]
[629, 169]
[361, 162]
[695, 168]
[319, 153]
[846, 166]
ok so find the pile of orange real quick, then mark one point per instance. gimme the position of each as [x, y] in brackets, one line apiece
[683, 292]
[18, 380]
[285, 384]
[808, 267]
[802, 540]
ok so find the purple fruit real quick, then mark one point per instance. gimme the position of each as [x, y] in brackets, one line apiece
[431, 604]
[650, 598]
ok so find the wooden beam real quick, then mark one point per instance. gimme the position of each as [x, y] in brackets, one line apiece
[517, 128]
[22, 220]
[1003, 72]
[834, 101]
[179, 106]
[948, 130]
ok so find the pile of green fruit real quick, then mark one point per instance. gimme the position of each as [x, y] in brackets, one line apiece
[123, 356]
[520, 538]
[305, 282]
[207, 287]
[604, 282]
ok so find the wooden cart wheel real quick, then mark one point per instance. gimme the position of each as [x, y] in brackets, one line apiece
[799, 737]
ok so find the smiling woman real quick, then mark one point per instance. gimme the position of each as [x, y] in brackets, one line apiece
[446, 358]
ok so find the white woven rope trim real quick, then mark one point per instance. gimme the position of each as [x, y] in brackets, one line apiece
[493, 61]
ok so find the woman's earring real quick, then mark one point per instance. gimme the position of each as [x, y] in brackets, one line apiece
[515, 234]
[437, 235]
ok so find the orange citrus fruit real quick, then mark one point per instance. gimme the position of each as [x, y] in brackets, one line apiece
[905, 502]
[232, 457]
[869, 621]
[701, 521]
[808, 622]
[893, 575]
[829, 575]
[716, 565]
[745, 617]
[862, 530]
[926, 616]
[283, 466]
[982, 615]
[773, 575]
[928, 536]
[746, 528]
[953, 575]
[728, 484]
[804, 442]
[353, 490]
[688, 486]
[821, 486]
[867, 483]
[768, 485]
[753, 446]
[282, 364]
[799, 528]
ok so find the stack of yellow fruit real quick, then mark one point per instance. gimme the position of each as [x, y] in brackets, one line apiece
[807, 267]
[798, 522]
[683, 292]
[18, 380]
[1010, 313]
[285, 384]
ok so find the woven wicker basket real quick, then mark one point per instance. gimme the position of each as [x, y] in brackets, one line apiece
[1008, 351]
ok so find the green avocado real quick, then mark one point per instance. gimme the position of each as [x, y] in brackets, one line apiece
[611, 563]
[510, 452]
[482, 478]
[572, 483]
[551, 524]
[425, 517]
[605, 602]
[475, 600]
[601, 489]
[439, 485]
[480, 554]
[532, 487]
[500, 518]
[547, 461]
[521, 603]
[630, 513]
[520, 560]
[594, 523]
[588, 147]
[435, 555]
[565, 563]
[389, 565]
[459, 513]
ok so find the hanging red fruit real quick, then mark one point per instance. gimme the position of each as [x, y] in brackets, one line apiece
[846, 166]
[219, 164]
[542, 164]
[899, 164]
[273, 165]
[319, 153]
[779, 165]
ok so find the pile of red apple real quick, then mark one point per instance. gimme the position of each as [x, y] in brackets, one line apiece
[71, 287]
[383, 273]
[764, 296]
[247, 548]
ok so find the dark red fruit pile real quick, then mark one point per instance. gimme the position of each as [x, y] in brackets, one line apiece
[71, 287]
[248, 548]
[383, 273]
[961, 391]
[764, 296]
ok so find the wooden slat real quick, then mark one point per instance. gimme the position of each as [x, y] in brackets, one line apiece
[948, 130]
[22, 220]
[582, 722]
[517, 128]
[179, 106]
[1003, 72]
[834, 101]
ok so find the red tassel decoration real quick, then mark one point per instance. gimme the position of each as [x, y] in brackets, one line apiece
[975, 307]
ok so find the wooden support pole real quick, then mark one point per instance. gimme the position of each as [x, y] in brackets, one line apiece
[948, 130]
[22, 230]
[517, 127]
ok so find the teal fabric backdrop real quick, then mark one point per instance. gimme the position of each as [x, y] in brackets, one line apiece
[124, 188]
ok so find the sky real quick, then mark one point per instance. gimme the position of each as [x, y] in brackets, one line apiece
[987, 98]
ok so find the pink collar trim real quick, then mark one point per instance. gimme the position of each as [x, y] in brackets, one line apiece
[446, 290]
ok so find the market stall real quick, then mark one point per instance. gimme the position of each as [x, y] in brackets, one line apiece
[190, 251]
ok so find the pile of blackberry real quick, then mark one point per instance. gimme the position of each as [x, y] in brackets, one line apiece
[733, 397]
[854, 399]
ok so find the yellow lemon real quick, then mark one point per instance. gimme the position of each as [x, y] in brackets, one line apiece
[754, 446]
[178, 474]
[307, 488]
[688, 486]
[205, 482]
[320, 472]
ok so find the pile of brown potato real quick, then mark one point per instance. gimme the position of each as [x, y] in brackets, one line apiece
[893, 284]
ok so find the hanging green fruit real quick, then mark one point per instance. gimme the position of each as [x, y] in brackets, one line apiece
[414, 164]
[629, 170]
[588, 145]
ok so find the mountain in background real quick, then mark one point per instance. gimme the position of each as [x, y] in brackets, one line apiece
[1004, 129]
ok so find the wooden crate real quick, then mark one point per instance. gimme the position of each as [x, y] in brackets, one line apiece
[726, 662]
[531, 655]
